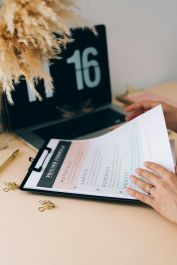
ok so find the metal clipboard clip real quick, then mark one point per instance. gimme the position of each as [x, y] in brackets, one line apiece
[40, 162]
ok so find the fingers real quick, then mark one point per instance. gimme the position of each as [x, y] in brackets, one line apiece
[138, 108]
[141, 197]
[156, 175]
[159, 170]
[160, 186]
[148, 176]
[134, 114]
[144, 105]
[152, 182]
[142, 184]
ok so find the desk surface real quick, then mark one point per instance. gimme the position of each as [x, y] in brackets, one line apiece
[78, 232]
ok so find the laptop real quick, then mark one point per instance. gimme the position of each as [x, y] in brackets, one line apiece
[80, 106]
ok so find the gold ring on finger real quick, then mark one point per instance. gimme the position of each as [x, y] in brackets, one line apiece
[149, 190]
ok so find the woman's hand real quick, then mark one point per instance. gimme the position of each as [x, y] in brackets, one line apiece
[160, 186]
[138, 108]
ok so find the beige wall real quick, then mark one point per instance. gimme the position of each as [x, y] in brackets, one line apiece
[142, 36]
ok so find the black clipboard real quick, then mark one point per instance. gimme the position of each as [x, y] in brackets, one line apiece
[42, 163]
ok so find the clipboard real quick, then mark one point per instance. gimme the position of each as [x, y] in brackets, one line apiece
[46, 167]
[99, 168]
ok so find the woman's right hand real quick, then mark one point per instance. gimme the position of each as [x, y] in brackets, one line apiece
[170, 112]
[160, 187]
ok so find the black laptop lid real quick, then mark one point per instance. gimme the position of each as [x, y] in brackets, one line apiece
[81, 80]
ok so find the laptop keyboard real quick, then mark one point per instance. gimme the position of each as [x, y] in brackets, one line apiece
[81, 126]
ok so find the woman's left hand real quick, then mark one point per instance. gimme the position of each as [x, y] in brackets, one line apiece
[160, 186]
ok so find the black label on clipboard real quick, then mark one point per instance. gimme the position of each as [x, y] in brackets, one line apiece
[50, 173]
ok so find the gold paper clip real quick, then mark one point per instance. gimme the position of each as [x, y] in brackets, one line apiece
[46, 205]
[10, 186]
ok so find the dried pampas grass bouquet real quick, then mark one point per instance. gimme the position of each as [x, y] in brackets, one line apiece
[31, 33]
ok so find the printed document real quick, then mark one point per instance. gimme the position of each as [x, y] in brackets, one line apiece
[101, 166]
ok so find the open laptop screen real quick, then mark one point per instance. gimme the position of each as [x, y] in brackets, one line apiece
[81, 80]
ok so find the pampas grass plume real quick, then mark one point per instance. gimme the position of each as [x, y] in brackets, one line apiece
[31, 33]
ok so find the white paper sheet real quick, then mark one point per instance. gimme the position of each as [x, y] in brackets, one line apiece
[101, 166]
